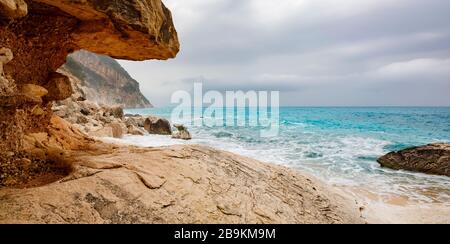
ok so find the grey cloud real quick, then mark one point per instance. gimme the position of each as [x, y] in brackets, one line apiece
[314, 51]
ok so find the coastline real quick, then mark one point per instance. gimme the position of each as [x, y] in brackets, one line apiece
[374, 207]
[176, 184]
[71, 153]
[115, 182]
[397, 209]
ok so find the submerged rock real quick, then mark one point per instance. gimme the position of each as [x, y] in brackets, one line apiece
[430, 159]
[158, 126]
[182, 133]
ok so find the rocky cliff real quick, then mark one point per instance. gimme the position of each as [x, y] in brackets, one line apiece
[36, 36]
[101, 79]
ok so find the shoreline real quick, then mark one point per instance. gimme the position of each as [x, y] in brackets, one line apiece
[111, 181]
[114, 165]
[177, 184]
[397, 209]
[375, 207]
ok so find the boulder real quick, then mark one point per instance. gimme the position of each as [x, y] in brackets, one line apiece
[104, 118]
[61, 111]
[81, 99]
[19, 100]
[33, 90]
[115, 111]
[13, 9]
[430, 159]
[137, 121]
[158, 126]
[116, 130]
[91, 106]
[182, 133]
[133, 130]
[5, 57]
[85, 111]
[7, 86]
[82, 120]
[58, 87]
[106, 131]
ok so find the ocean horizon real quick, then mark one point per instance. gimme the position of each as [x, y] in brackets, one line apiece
[339, 145]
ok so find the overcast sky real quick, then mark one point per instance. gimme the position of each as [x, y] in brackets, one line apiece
[316, 52]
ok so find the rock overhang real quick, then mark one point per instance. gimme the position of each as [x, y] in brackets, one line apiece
[35, 38]
[133, 30]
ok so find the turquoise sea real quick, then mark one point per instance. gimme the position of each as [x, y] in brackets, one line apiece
[339, 145]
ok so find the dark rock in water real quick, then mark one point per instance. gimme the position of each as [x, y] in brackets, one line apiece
[430, 159]
[182, 133]
[313, 155]
[223, 134]
[158, 126]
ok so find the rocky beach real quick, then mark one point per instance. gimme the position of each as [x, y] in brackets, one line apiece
[53, 172]
[62, 99]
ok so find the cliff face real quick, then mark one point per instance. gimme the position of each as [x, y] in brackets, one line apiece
[35, 38]
[101, 79]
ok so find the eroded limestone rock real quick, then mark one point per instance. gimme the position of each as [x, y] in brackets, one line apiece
[52, 29]
[13, 9]
[115, 111]
[33, 90]
[116, 129]
[134, 130]
[117, 28]
[59, 87]
[7, 86]
[430, 159]
[182, 133]
[158, 126]
[6, 56]
[180, 184]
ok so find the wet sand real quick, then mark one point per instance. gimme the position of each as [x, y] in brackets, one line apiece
[397, 209]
